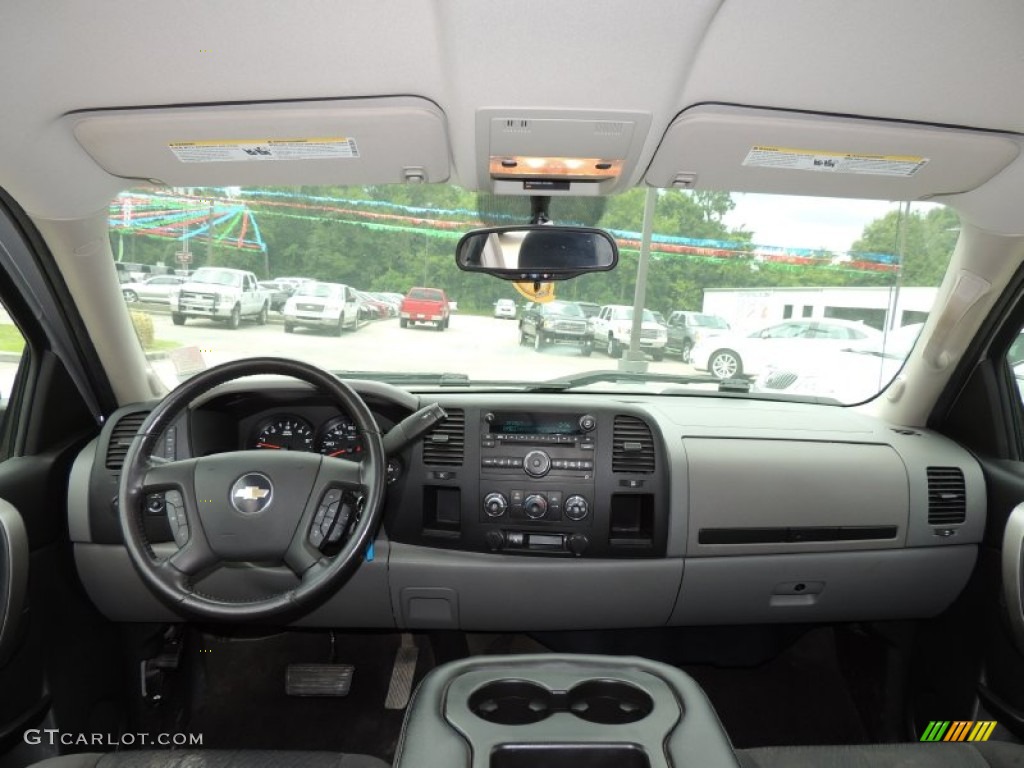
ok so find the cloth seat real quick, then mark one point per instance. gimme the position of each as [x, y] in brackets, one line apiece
[990, 754]
[213, 758]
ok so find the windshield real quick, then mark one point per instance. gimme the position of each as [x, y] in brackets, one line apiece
[562, 308]
[319, 290]
[708, 321]
[215, 277]
[768, 283]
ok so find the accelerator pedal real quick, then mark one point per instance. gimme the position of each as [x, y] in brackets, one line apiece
[402, 674]
[318, 679]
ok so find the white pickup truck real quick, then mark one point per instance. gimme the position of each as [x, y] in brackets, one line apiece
[614, 324]
[219, 293]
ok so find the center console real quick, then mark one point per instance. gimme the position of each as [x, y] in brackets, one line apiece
[543, 482]
[550, 711]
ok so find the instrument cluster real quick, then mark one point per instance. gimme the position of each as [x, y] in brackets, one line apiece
[337, 437]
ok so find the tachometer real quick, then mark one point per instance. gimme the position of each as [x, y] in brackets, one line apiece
[340, 438]
[285, 433]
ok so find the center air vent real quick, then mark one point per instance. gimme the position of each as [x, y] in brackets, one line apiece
[632, 446]
[121, 437]
[445, 444]
[947, 496]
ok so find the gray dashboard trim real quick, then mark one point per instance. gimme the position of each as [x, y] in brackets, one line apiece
[115, 588]
[1013, 572]
[79, 528]
[14, 560]
[509, 592]
[822, 587]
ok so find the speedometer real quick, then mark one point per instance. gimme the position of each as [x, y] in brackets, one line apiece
[340, 438]
[285, 433]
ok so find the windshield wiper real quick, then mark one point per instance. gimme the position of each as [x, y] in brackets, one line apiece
[593, 377]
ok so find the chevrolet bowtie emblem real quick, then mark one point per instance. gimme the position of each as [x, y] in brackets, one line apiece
[252, 493]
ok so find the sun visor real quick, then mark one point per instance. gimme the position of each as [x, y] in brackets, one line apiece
[345, 141]
[751, 150]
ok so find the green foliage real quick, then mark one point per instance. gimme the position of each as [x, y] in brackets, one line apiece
[143, 324]
[304, 236]
[929, 242]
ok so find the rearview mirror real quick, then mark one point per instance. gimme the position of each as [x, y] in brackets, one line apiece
[538, 253]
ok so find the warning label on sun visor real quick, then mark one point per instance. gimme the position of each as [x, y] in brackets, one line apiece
[268, 149]
[834, 162]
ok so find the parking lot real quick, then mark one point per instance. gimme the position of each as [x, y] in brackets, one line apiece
[479, 347]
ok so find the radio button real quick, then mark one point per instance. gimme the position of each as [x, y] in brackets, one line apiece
[587, 422]
[537, 463]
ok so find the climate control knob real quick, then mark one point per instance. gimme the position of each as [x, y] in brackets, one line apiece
[495, 504]
[537, 463]
[535, 506]
[576, 508]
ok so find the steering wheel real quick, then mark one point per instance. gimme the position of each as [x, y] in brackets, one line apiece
[253, 505]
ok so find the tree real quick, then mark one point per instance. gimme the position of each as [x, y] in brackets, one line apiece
[928, 243]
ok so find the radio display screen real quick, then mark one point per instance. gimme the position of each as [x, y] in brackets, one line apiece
[518, 423]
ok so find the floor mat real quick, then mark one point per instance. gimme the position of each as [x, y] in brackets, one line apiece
[799, 697]
[239, 700]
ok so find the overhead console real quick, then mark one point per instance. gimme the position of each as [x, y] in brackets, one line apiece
[541, 482]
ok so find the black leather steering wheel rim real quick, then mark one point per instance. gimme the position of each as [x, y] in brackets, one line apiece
[171, 578]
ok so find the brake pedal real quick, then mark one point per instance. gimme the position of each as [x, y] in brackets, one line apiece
[402, 674]
[318, 679]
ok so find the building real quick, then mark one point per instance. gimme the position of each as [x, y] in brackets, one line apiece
[751, 308]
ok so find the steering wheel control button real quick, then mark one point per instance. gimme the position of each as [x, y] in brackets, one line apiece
[537, 463]
[155, 504]
[252, 493]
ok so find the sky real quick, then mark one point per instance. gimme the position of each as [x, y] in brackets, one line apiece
[805, 222]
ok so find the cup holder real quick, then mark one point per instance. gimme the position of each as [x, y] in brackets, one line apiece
[511, 702]
[518, 702]
[609, 702]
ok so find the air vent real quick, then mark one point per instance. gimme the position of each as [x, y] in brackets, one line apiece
[121, 437]
[947, 496]
[632, 446]
[444, 445]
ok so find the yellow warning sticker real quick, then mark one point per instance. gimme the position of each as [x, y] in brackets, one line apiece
[264, 149]
[834, 162]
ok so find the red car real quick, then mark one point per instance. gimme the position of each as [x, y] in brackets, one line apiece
[425, 305]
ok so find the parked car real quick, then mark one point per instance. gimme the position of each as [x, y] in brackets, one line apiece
[326, 306]
[556, 323]
[279, 293]
[590, 309]
[156, 290]
[851, 374]
[293, 282]
[731, 355]
[505, 308]
[686, 328]
[613, 327]
[219, 293]
[425, 305]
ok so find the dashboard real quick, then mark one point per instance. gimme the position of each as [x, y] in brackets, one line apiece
[572, 511]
